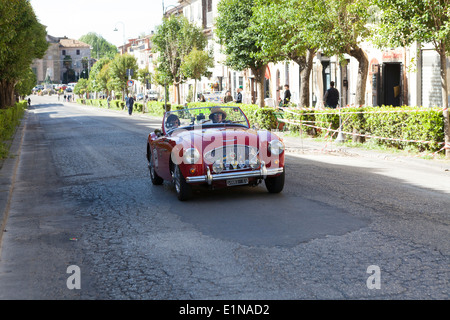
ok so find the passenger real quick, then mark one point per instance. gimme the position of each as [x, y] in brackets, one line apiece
[172, 121]
[217, 115]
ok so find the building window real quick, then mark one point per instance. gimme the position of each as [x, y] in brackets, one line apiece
[78, 52]
[64, 52]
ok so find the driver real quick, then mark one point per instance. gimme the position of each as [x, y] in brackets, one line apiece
[172, 121]
[217, 115]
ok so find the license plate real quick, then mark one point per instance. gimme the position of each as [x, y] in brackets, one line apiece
[237, 182]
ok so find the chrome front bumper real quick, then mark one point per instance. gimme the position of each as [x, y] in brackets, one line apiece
[210, 178]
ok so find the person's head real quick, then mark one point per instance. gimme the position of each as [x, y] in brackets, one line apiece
[217, 115]
[172, 121]
[228, 93]
[286, 87]
[332, 84]
[239, 89]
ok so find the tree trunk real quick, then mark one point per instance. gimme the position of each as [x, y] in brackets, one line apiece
[259, 78]
[443, 58]
[305, 75]
[6, 94]
[195, 91]
[361, 80]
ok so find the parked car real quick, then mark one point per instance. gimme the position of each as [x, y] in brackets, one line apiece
[195, 147]
[140, 96]
[152, 95]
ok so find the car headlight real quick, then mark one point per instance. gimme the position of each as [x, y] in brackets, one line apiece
[191, 156]
[276, 147]
[217, 166]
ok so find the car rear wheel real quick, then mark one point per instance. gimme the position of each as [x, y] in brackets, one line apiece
[275, 184]
[156, 180]
[183, 189]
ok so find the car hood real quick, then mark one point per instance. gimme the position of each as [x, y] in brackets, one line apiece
[216, 137]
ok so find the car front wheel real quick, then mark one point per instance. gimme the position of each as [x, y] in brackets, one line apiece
[275, 184]
[183, 189]
[156, 180]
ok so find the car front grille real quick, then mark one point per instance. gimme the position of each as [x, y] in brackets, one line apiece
[233, 157]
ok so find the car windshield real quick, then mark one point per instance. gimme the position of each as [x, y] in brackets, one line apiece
[205, 117]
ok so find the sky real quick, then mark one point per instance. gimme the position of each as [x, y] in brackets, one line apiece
[75, 18]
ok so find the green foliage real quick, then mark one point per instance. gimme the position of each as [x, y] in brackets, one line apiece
[22, 39]
[386, 122]
[9, 120]
[234, 31]
[97, 78]
[81, 87]
[174, 40]
[100, 47]
[118, 71]
[25, 85]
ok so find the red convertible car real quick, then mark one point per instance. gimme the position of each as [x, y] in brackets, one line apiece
[215, 147]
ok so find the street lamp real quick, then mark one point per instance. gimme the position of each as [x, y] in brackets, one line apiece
[123, 28]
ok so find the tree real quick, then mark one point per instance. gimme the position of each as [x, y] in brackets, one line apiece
[144, 76]
[100, 47]
[196, 65]
[174, 40]
[22, 39]
[240, 41]
[97, 80]
[81, 87]
[25, 85]
[346, 25]
[289, 30]
[118, 71]
[404, 22]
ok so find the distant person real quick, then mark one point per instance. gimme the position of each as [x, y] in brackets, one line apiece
[331, 96]
[228, 97]
[29, 101]
[130, 102]
[239, 95]
[287, 96]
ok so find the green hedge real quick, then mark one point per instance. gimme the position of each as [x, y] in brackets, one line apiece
[386, 121]
[9, 120]
[425, 125]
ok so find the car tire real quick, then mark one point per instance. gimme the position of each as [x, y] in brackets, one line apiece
[275, 184]
[183, 189]
[156, 180]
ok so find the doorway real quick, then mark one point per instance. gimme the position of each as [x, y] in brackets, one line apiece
[392, 84]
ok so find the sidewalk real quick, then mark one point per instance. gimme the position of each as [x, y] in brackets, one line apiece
[8, 171]
[299, 145]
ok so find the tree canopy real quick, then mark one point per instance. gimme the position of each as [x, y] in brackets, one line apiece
[174, 40]
[240, 41]
[22, 40]
[100, 47]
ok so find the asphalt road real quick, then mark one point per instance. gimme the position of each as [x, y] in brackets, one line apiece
[82, 197]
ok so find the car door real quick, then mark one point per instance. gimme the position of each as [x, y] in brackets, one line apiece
[162, 149]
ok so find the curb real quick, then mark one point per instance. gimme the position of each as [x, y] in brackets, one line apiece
[8, 173]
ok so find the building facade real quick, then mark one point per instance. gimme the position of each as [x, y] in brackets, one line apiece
[66, 60]
[396, 76]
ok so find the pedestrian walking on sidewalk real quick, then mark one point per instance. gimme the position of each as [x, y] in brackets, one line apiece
[130, 102]
[331, 96]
